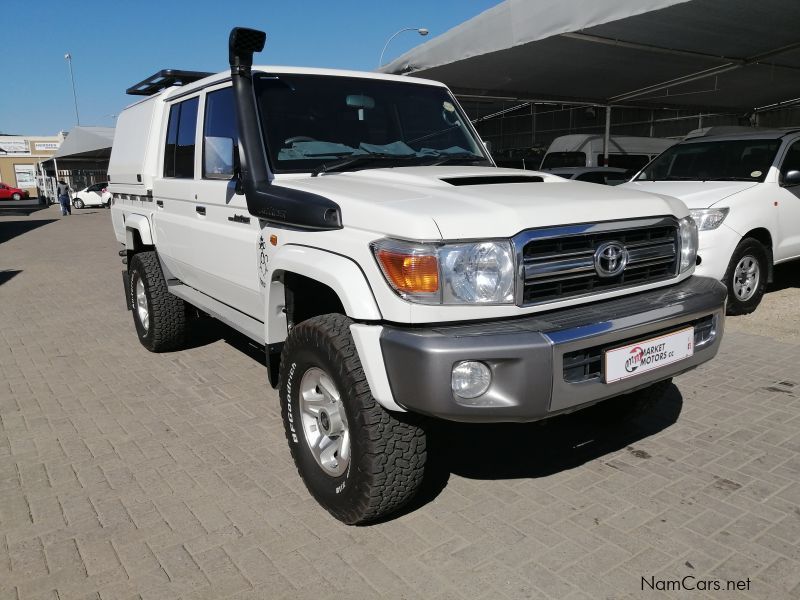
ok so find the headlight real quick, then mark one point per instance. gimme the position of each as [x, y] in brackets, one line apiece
[688, 232]
[709, 218]
[461, 273]
[477, 273]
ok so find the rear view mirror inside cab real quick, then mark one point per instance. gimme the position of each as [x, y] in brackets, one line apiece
[219, 162]
[360, 101]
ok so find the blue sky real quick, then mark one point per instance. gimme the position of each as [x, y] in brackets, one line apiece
[116, 44]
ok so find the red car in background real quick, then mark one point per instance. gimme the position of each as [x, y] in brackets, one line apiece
[8, 192]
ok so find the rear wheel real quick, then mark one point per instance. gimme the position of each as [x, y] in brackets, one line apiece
[357, 459]
[77, 203]
[159, 317]
[746, 277]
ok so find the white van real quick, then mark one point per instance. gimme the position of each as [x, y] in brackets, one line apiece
[586, 150]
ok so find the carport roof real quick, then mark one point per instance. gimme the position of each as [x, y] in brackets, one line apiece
[86, 143]
[731, 54]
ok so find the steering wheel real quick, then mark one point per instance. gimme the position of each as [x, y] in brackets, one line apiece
[298, 138]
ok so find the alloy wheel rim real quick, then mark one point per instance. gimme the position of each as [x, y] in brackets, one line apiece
[746, 277]
[141, 306]
[324, 422]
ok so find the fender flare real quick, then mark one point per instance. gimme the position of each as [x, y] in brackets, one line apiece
[141, 224]
[340, 273]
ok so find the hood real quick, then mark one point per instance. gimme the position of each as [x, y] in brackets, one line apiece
[443, 202]
[696, 194]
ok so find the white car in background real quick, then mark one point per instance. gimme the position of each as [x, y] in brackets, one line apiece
[600, 175]
[94, 195]
[744, 192]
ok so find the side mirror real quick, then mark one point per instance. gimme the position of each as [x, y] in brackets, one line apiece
[219, 161]
[791, 178]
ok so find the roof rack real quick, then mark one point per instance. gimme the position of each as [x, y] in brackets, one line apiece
[164, 79]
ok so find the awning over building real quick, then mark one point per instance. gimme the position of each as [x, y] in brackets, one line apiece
[736, 54]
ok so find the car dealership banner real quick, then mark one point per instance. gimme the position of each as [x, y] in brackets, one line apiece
[26, 176]
[14, 147]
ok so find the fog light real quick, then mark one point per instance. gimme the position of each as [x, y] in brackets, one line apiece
[470, 379]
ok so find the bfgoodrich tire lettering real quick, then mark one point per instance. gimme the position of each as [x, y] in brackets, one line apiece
[159, 317]
[385, 452]
[746, 277]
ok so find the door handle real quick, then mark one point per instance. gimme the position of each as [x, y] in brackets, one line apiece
[160, 203]
[239, 219]
[200, 210]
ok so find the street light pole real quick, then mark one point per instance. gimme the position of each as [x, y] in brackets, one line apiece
[68, 58]
[420, 30]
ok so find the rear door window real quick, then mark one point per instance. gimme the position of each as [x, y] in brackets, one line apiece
[179, 147]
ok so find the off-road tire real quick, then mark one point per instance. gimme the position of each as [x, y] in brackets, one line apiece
[630, 406]
[755, 249]
[387, 450]
[167, 313]
[77, 203]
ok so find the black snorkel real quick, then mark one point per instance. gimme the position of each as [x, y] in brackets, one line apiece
[273, 203]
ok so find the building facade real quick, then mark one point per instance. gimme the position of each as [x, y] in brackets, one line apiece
[20, 156]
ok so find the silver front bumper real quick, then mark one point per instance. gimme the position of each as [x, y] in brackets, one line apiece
[531, 358]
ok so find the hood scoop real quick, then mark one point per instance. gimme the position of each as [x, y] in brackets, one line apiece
[493, 179]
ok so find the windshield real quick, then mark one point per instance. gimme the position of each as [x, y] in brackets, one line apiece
[314, 121]
[553, 160]
[733, 160]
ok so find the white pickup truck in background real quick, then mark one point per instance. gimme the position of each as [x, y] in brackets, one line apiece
[355, 226]
[743, 190]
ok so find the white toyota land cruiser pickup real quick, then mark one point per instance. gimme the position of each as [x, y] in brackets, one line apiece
[354, 224]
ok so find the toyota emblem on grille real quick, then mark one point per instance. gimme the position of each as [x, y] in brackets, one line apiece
[610, 259]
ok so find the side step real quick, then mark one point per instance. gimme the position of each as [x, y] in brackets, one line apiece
[241, 322]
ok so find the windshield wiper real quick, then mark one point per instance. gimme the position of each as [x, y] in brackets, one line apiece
[346, 161]
[729, 179]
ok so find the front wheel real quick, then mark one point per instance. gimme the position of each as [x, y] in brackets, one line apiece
[746, 277]
[77, 203]
[357, 459]
[159, 317]
[16, 196]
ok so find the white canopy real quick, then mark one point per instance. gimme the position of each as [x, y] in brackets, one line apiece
[87, 142]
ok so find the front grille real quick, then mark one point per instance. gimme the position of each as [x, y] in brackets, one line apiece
[561, 267]
[586, 364]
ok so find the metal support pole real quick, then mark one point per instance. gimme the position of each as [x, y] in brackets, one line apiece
[68, 57]
[607, 136]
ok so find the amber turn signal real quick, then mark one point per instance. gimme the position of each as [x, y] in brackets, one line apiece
[409, 273]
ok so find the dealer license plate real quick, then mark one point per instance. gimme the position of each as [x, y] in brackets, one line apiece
[648, 355]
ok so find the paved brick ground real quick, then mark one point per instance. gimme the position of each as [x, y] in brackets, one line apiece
[125, 474]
